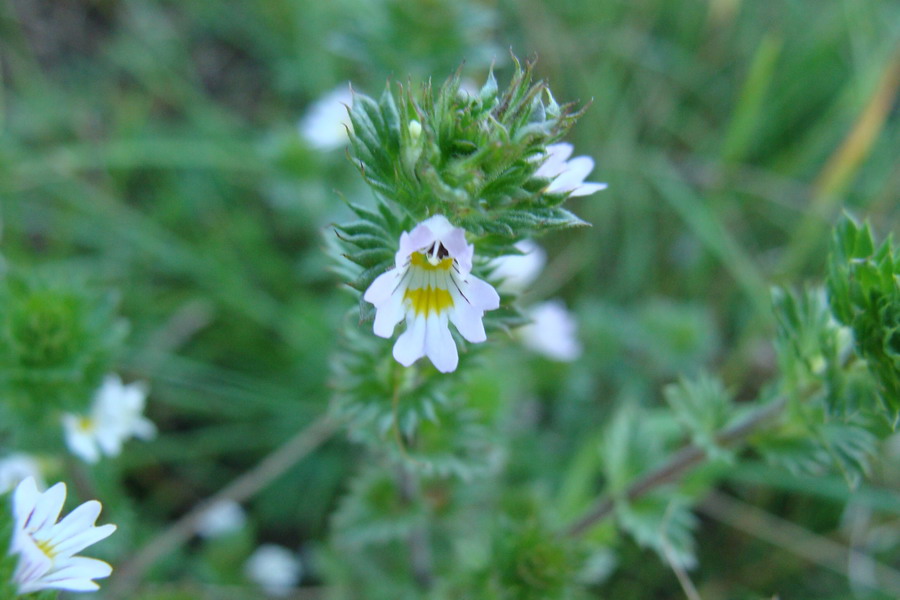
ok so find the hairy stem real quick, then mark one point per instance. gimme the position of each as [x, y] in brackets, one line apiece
[676, 466]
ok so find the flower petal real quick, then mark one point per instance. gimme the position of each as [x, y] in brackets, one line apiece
[467, 320]
[47, 508]
[588, 188]
[380, 290]
[439, 345]
[573, 175]
[388, 315]
[410, 346]
[24, 499]
[481, 294]
[82, 539]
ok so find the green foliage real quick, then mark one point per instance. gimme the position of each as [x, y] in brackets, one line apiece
[58, 339]
[703, 407]
[864, 289]
[471, 158]
[527, 561]
[833, 406]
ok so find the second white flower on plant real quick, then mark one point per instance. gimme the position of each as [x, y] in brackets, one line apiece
[431, 286]
[116, 415]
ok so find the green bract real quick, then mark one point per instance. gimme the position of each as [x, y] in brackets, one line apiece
[864, 289]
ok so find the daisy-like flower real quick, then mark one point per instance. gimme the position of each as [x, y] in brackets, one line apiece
[16, 468]
[115, 417]
[552, 332]
[324, 127]
[46, 549]
[274, 568]
[568, 175]
[431, 285]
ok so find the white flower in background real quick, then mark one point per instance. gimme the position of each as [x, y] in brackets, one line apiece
[222, 518]
[15, 468]
[274, 568]
[568, 175]
[517, 271]
[552, 331]
[115, 417]
[46, 549]
[324, 126]
[431, 285]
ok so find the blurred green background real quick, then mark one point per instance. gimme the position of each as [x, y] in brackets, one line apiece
[152, 148]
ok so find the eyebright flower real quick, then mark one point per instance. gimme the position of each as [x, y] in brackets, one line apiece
[324, 127]
[115, 417]
[431, 285]
[46, 549]
[274, 568]
[516, 272]
[552, 332]
[568, 175]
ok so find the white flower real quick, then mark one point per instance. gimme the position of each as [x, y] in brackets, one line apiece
[17, 467]
[517, 271]
[46, 549]
[431, 285]
[274, 568]
[552, 331]
[115, 417]
[220, 519]
[324, 127]
[568, 175]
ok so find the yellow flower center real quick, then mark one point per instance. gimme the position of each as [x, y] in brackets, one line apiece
[428, 299]
[430, 263]
[46, 547]
[85, 424]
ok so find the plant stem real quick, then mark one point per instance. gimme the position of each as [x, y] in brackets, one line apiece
[239, 490]
[676, 466]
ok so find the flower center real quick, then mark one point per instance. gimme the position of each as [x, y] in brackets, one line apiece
[428, 299]
[85, 424]
[435, 258]
[46, 547]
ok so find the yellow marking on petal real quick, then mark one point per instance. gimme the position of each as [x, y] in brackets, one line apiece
[428, 299]
[85, 424]
[420, 260]
[47, 548]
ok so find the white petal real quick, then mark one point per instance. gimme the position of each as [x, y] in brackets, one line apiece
[24, 499]
[410, 346]
[81, 540]
[577, 169]
[516, 272]
[454, 241]
[481, 294]
[420, 237]
[588, 188]
[554, 164]
[388, 315]
[144, 429]
[47, 508]
[381, 289]
[438, 225]
[439, 345]
[467, 320]
[552, 332]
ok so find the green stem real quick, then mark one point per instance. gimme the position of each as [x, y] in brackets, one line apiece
[676, 466]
